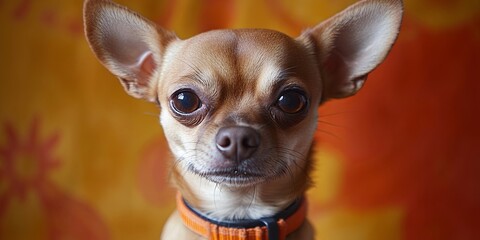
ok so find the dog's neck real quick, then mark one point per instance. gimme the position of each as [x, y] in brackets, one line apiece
[222, 202]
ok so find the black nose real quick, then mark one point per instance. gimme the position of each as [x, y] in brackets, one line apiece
[237, 143]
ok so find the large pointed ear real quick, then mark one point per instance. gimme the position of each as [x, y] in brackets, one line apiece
[127, 44]
[351, 44]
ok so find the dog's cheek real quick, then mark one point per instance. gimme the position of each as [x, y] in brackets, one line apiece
[300, 137]
[171, 131]
[185, 143]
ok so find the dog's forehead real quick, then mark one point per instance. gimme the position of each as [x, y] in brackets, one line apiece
[249, 56]
[241, 42]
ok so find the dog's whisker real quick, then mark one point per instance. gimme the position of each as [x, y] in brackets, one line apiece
[332, 114]
[329, 123]
[215, 195]
[329, 133]
[254, 195]
[292, 154]
[292, 177]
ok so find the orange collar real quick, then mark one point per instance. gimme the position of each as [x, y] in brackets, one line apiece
[273, 228]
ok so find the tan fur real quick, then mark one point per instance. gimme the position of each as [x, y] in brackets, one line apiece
[237, 79]
[177, 180]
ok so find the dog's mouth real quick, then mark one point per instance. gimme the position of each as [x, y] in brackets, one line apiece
[233, 176]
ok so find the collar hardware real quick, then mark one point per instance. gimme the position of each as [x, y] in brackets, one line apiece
[273, 230]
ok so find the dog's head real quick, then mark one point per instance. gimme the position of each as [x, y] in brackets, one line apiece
[239, 107]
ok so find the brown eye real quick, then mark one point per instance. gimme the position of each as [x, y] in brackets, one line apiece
[292, 101]
[185, 102]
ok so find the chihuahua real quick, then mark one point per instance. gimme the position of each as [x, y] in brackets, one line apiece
[239, 108]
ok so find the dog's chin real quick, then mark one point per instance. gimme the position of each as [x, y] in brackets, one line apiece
[232, 177]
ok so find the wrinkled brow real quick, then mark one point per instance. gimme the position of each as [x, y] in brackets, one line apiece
[273, 76]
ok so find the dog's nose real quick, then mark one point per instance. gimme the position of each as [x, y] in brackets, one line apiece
[237, 143]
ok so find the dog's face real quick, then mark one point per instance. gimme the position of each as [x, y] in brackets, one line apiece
[239, 107]
[235, 109]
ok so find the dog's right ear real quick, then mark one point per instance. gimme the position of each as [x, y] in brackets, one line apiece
[127, 44]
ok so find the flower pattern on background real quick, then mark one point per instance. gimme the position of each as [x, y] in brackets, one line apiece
[25, 166]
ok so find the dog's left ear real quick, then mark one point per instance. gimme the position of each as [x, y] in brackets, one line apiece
[351, 44]
[128, 45]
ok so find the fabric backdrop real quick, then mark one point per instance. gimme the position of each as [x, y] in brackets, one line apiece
[79, 159]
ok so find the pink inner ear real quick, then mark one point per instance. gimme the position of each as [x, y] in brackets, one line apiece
[144, 68]
[147, 64]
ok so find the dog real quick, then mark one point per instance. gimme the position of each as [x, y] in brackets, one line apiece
[239, 108]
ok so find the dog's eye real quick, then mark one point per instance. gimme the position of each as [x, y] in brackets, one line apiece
[185, 102]
[292, 101]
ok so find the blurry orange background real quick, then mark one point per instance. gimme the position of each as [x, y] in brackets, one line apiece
[80, 159]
